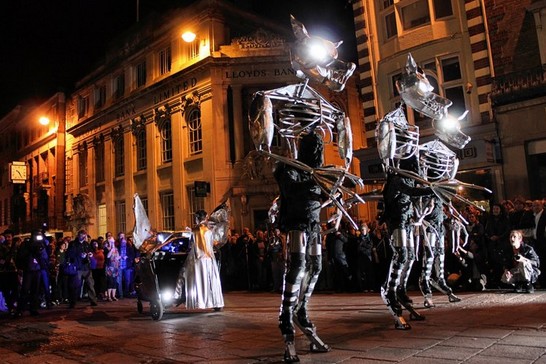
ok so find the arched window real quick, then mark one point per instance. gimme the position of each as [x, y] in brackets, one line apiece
[141, 159]
[119, 157]
[83, 164]
[166, 140]
[195, 133]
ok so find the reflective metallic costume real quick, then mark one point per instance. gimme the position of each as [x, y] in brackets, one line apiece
[304, 121]
[437, 162]
[409, 209]
[299, 217]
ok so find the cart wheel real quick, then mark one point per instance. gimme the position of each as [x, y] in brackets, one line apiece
[156, 310]
[139, 306]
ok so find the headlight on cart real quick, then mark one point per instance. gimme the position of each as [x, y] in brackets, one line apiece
[166, 296]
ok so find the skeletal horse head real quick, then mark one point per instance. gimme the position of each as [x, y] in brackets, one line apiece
[417, 92]
[316, 58]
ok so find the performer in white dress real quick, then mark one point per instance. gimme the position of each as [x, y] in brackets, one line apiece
[203, 287]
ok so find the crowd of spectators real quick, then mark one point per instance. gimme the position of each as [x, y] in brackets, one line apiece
[354, 260]
[102, 269]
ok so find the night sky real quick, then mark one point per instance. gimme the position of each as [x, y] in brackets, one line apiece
[48, 45]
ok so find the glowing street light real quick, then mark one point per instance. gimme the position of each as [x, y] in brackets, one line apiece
[188, 36]
[44, 120]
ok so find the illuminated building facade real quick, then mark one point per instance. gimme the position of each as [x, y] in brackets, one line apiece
[32, 136]
[166, 118]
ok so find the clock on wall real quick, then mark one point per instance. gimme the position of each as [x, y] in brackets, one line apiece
[18, 172]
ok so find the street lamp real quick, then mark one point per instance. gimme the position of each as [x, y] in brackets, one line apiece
[189, 36]
[44, 120]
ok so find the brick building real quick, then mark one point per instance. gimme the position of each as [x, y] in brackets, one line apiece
[466, 48]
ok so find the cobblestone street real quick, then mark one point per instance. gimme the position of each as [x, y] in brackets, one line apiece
[493, 326]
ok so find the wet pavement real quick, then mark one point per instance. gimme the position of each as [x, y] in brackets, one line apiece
[485, 327]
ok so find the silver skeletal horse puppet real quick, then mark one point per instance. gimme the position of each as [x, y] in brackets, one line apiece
[304, 121]
[420, 184]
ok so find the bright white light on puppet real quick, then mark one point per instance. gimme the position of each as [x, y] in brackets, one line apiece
[449, 123]
[317, 51]
[167, 296]
[424, 87]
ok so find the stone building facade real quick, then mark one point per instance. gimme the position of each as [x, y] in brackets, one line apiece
[32, 135]
[167, 119]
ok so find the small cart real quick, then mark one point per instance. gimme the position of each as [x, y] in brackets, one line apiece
[161, 262]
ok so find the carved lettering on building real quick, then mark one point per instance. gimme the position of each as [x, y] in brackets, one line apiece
[259, 73]
[126, 112]
[260, 39]
[172, 91]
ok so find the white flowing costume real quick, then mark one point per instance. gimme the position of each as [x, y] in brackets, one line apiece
[203, 286]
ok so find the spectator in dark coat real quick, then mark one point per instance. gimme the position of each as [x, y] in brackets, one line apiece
[497, 228]
[78, 253]
[32, 255]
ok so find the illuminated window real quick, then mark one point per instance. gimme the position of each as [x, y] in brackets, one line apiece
[165, 61]
[193, 49]
[167, 208]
